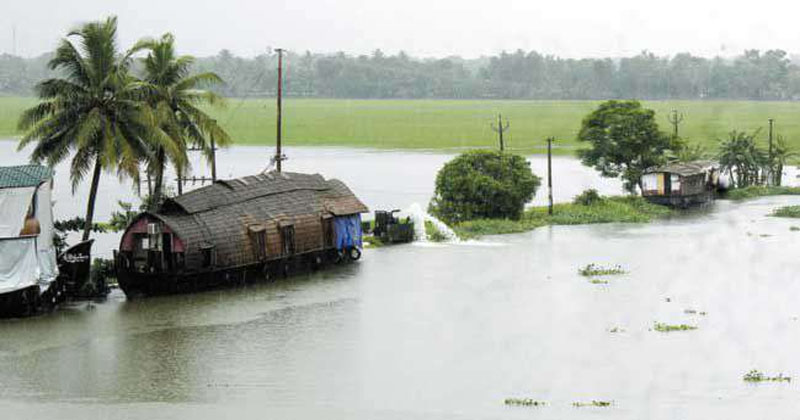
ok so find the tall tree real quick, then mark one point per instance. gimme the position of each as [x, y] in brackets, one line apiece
[625, 140]
[92, 112]
[742, 159]
[176, 96]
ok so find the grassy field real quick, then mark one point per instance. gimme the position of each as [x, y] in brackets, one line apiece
[445, 124]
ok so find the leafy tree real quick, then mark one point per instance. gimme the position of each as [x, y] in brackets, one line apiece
[483, 184]
[742, 159]
[92, 111]
[175, 96]
[625, 140]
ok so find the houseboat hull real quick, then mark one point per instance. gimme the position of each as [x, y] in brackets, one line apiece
[682, 201]
[139, 285]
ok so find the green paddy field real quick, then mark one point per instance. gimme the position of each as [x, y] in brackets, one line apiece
[448, 124]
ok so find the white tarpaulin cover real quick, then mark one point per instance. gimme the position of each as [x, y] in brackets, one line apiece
[48, 268]
[18, 264]
[29, 261]
[14, 204]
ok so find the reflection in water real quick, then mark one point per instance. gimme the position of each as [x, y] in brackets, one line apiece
[413, 332]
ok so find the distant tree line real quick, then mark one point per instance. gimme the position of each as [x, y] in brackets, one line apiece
[754, 75]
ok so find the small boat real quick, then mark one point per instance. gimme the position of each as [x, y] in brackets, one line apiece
[681, 184]
[30, 280]
[238, 231]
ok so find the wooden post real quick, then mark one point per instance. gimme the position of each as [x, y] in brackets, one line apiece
[499, 129]
[278, 156]
[213, 160]
[549, 176]
[675, 120]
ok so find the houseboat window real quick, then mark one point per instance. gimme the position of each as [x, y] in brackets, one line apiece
[287, 233]
[208, 257]
[258, 238]
[145, 243]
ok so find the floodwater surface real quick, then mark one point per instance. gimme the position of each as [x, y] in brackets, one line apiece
[442, 331]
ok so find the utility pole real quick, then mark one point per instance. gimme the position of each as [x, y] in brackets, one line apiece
[770, 175]
[675, 119]
[213, 158]
[550, 175]
[500, 129]
[278, 155]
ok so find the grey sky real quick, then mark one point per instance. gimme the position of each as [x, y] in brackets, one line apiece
[420, 27]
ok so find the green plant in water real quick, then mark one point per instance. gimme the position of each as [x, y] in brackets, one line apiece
[661, 327]
[756, 376]
[598, 281]
[524, 402]
[598, 270]
[433, 233]
[616, 330]
[787, 211]
[794, 228]
[593, 403]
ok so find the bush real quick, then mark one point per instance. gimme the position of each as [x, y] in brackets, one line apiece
[587, 197]
[483, 184]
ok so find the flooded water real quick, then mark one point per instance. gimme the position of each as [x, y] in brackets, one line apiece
[441, 332]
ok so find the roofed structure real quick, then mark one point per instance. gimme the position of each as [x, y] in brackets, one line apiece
[24, 176]
[244, 222]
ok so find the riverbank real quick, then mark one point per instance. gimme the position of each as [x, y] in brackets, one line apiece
[617, 209]
[458, 124]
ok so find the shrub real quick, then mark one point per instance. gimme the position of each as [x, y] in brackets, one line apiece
[587, 197]
[483, 184]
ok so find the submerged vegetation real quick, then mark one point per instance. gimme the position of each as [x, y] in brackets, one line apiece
[524, 402]
[593, 403]
[755, 191]
[620, 209]
[661, 327]
[433, 233]
[756, 376]
[597, 270]
[787, 211]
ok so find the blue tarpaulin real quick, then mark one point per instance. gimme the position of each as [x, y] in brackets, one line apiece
[348, 231]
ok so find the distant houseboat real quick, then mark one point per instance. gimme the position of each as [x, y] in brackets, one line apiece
[240, 230]
[681, 184]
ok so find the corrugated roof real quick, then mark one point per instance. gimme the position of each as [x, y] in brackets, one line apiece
[685, 168]
[24, 176]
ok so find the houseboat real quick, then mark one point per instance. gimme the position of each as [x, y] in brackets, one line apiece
[240, 230]
[29, 268]
[681, 184]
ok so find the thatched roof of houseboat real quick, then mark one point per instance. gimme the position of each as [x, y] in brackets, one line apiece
[685, 168]
[220, 214]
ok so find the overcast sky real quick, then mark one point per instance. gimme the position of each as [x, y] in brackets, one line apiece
[569, 28]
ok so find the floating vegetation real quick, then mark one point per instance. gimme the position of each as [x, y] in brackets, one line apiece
[661, 327]
[759, 191]
[598, 281]
[524, 402]
[694, 312]
[616, 330]
[794, 228]
[787, 211]
[593, 403]
[756, 376]
[598, 270]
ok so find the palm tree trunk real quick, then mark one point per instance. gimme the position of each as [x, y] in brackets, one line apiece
[87, 227]
[159, 182]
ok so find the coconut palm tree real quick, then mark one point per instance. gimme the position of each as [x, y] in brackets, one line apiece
[740, 157]
[176, 96]
[781, 154]
[93, 112]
